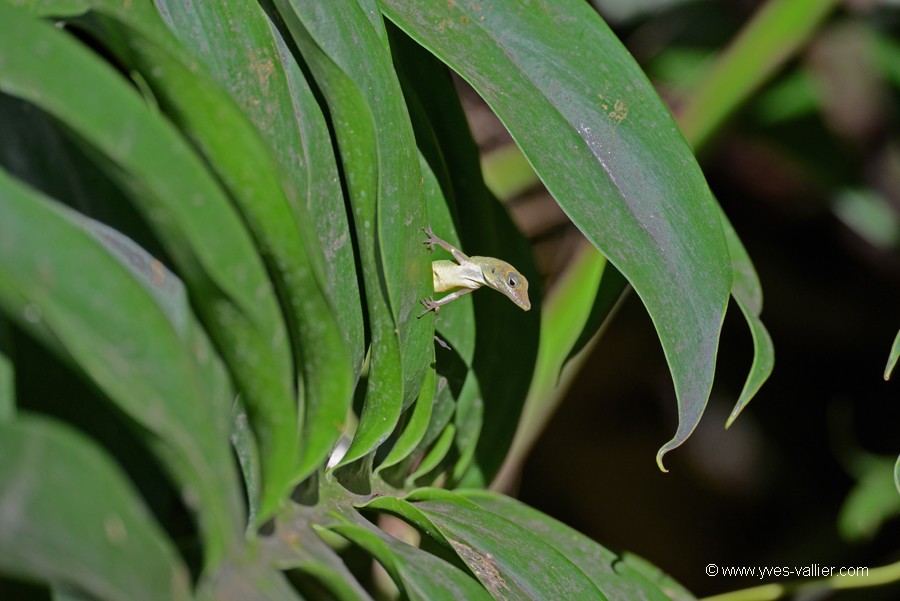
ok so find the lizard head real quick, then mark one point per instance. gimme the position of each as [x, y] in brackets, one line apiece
[503, 277]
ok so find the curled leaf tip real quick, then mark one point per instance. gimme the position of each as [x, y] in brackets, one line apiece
[659, 459]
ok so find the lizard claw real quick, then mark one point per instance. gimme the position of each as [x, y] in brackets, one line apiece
[430, 305]
[429, 241]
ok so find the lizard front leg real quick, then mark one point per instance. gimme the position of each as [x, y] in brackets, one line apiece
[431, 240]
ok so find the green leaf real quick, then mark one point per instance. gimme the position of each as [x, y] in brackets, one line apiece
[434, 457]
[892, 358]
[296, 226]
[416, 426]
[500, 553]
[747, 293]
[383, 179]
[609, 152]
[183, 203]
[434, 445]
[247, 452]
[469, 420]
[57, 280]
[101, 540]
[7, 374]
[418, 574]
[297, 545]
[616, 579]
[506, 338]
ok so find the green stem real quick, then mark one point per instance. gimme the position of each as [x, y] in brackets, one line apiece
[563, 317]
[777, 31]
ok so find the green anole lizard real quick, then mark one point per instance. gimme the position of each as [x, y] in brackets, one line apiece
[471, 273]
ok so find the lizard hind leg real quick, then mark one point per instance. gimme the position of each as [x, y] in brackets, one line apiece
[430, 305]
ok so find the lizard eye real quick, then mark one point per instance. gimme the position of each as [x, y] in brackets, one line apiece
[512, 281]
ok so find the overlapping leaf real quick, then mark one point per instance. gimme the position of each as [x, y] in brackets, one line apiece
[182, 202]
[298, 222]
[490, 396]
[500, 553]
[151, 359]
[382, 174]
[607, 149]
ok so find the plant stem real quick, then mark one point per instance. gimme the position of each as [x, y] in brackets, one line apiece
[775, 33]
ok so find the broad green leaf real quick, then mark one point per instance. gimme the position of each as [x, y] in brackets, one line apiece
[382, 174]
[747, 293]
[305, 227]
[506, 337]
[565, 308]
[158, 370]
[605, 146]
[418, 574]
[892, 358]
[101, 540]
[500, 553]
[503, 555]
[7, 374]
[183, 203]
[610, 574]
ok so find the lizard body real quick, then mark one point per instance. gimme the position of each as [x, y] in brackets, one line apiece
[469, 274]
